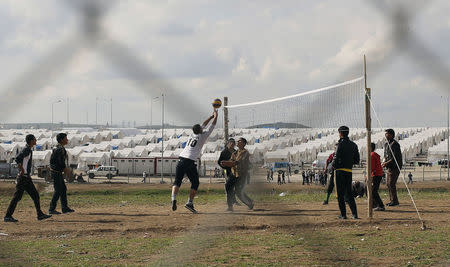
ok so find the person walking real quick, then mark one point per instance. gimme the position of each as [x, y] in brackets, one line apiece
[239, 164]
[347, 155]
[393, 163]
[410, 178]
[225, 155]
[57, 167]
[24, 182]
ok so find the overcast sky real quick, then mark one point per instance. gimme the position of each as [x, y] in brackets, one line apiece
[246, 50]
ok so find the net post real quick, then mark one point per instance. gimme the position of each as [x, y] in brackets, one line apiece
[225, 119]
[369, 142]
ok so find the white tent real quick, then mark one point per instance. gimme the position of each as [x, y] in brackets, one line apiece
[209, 160]
[9, 151]
[277, 156]
[99, 158]
[41, 158]
[438, 152]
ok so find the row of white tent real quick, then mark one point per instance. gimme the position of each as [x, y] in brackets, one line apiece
[438, 152]
[265, 145]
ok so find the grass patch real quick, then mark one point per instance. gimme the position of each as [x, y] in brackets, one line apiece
[70, 252]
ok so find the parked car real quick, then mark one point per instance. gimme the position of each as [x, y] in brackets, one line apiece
[8, 170]
[103, 171]
[295, 168]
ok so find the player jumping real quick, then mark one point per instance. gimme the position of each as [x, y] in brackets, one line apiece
[187, 161]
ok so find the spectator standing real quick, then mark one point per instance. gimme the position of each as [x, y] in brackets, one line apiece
[393, 163]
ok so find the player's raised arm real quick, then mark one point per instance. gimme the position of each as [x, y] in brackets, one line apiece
[215, 116]
[208, 120]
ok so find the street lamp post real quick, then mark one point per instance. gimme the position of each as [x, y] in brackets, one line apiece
[253, 118]
[96, 111]
[162, 138]
[53, 103]
[68, 122]
[151, 110]
[448, 137]
[110, 124]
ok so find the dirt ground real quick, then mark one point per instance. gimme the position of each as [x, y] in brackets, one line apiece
[129, 220]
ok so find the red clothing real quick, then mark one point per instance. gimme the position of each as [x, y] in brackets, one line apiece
[329, 160]
[377, 170]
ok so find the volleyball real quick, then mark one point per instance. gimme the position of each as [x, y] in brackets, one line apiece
[217, 103]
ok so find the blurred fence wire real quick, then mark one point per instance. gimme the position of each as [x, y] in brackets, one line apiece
[92, 34]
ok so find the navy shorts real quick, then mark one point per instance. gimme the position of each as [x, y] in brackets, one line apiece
[188, 167]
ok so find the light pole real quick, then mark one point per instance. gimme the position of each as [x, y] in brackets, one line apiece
[162, 138]
[96, 111]
[110, 124]
[151, 110]
[53, 103]
[67, 112]
[448, 138]
[253, 118]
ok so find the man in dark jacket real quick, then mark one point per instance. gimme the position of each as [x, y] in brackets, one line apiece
[225, 155]
[57, 167]
[392, 157]
[346, 156]
[24, 182]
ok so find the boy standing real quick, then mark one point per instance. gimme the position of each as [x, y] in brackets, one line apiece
[57, 167]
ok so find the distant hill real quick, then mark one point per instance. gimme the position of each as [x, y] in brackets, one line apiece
[279, 125]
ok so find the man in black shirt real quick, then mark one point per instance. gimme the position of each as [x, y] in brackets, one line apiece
[225, 155]
[346, 156]
[57, 167]
[392, 157]
[24, 182]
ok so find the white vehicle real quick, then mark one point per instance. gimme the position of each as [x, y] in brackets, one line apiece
[295, 168]
[105, 171]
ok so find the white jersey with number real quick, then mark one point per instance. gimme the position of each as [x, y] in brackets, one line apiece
[194, 145]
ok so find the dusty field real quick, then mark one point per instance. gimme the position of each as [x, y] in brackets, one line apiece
[133, 224]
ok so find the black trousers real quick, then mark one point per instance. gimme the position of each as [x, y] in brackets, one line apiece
[330, 186]
[24, 183]
[377, 202]
[235, 186]
[344, 192]
[60, 191]
[229, 175]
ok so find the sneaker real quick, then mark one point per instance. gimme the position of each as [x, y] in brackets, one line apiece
[174, 205]
[67, 210]
[54, 212]
[43, 216]
[9, 219]
[392, 204]
[190, 206]
[379, 209]
[342, 217]
[325, 202]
